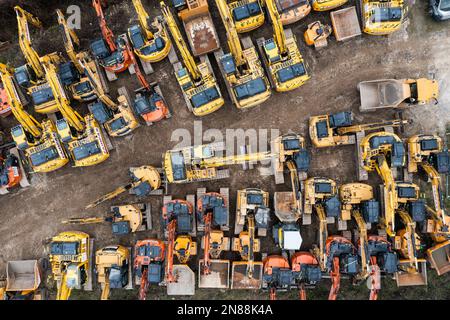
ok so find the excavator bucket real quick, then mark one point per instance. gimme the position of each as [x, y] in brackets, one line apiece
[218, 277]
[419, 278]
[239, 278]
[185, 284]
[439, 257]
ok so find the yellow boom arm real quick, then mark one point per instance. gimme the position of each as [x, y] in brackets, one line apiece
[390, 194]
[251, 254]
[70, 38]
[63, 290]
[29, 123]
[278, 31]
[143, 18]
[323, 235]
[231, 160]
[363, 244]
[23, 18]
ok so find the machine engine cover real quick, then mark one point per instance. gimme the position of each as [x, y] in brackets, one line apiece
[121, 227]
[350, 264]
[390, 262]
[333, 207]
[371, 211]
[417, 210]
[155, 273]
[302, 160]
[341, 119]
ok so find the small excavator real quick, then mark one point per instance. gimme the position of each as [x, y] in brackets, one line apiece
[341, 259]
[292, 11]
[381, 17]
[112, 54]
[212, 212]
[281, 56]
[125, 219]
[71, 262]
[246, 15]
[196, 80]
[145, 180]
[244, 75]
[382, 151]
[307, 271]
[317, 33]
[113, 268]
[148, 264]
[325, 5]
[148, 46]
[338, 129]
[178, 218]
[278, 274]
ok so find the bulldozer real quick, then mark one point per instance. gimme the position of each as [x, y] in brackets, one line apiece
[145, 179]
[281, 56]
[71, 262]
[245, 15]
[278, 274]
[114, 55]
[338, 129]
[149, 46]
[325, 5]
[382, 17]
[246, 274]
[196, 80]
[396, 93]
[241, 68]
[341, 259]
[125, 219]
[307, 271]
[113, 269]
[292, 11]
[148, 264]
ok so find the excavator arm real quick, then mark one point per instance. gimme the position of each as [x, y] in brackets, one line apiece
[251, 247]
[372, 126]
[323, 235]
[31, 56]
[237, 159]
[70, 40]
[63, 291]
[295, 183]
[206, 244]
[335, 275]
[106, 288]
[410, 226]
[438, 196]
[363, 245]
[143, 288]
[390, 194]
[188, 59]
[278, 31]
[375, 278]
[108, 35]
[143, 18]
[170, 243]
[29, 123]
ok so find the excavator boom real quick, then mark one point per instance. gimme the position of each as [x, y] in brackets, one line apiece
[143, 18]
[278, 31]
[372, 126]
[206, 243]
[108, 35]
[170, 243]
[70, 39]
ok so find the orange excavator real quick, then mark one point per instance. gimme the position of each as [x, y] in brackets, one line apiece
[148, 264]
[113, 55]
[10, 173]
[277, 274]
[178, 218]
[382, 260]
[341, 259]
[307, 271]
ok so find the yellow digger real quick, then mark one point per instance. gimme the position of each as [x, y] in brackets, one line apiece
[382, 17]
[281, 55]
[196, 80]
[113, 268]
[242, 70]
[71, 262]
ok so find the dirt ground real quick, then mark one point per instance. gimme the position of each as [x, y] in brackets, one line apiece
[30, 216]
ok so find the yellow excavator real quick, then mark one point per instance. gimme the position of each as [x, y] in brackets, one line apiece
[246, 15]
[70, 259]
[197, 81]
[382, 151]
[242, 69]
[381, 17]
[324, 5]
[113, 268]
[338, 129]
[149, 46]
[281, 55]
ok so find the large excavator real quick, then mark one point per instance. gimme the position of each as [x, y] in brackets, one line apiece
[325, 5]
[382, 151]
[197, 80]
[381, 17]
[148, 264]
[149, 46]
[70, 259]
[322, 195]
[245, 15]
[242, 69]
[144, 180]
[113, 268]
[281, 55]
[307, 271]
[358, 202]
[338, 129]
[341, 259]
[112, 54]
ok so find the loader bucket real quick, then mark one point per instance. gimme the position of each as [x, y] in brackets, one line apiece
[439, 257]
[22, 275]
[239, 279]
[185, 284]
[419, 278]
[219, 275]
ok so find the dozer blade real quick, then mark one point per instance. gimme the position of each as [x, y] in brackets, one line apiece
[418, 278]
[439, 257]
[219, 275]
[239, 278]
